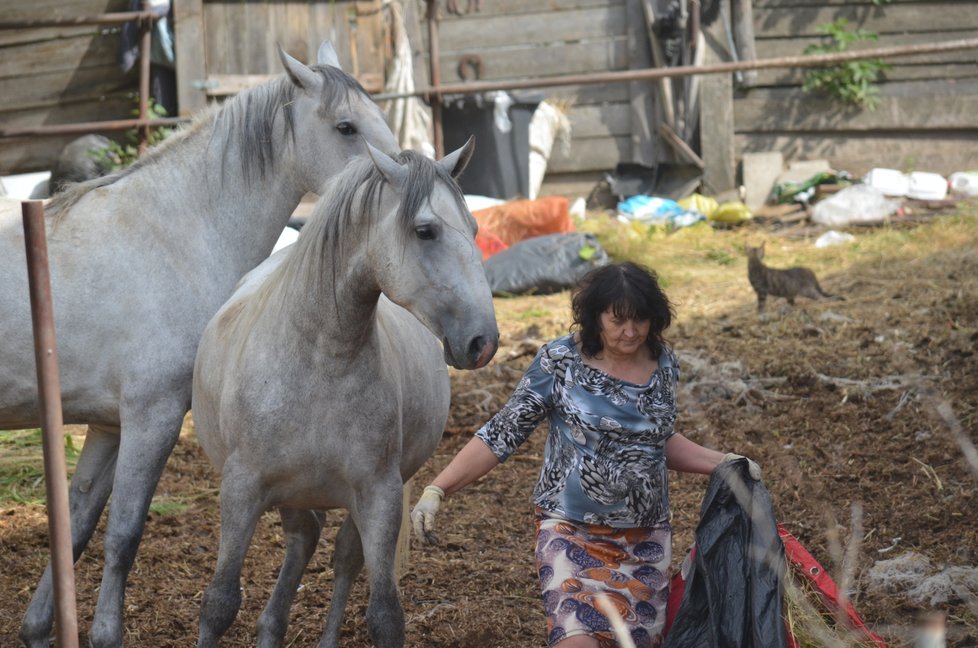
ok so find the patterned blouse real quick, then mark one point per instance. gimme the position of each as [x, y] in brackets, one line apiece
[604, 461]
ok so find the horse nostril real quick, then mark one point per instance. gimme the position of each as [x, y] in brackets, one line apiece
[476, 346]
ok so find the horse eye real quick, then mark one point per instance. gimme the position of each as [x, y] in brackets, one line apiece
[426, 232]
[346, 128]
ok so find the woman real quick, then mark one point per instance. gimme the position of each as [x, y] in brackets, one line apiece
[608, 391]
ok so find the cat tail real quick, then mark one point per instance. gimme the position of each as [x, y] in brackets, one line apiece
[826, 295]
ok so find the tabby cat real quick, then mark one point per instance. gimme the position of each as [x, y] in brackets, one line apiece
[788, 283]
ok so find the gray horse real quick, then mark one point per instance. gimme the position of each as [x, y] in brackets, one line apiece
[140, 261]
[313, 390]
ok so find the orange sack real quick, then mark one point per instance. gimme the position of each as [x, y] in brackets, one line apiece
[488, 242]
[518, 220]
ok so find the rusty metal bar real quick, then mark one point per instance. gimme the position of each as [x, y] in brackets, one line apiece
[88, 127]
[817, 60]
[435, 67]
[49, 399]
[99, 19]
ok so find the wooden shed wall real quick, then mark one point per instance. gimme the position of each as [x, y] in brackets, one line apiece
[926, 119]
[526, 40]
[239, 39]
[58, 76]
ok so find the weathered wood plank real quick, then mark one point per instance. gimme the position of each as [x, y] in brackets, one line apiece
[116, 105]
[890, 19]
[28, 37]
[15, 10]
[65, 86]
[291, 30]
[642, 111]
[716, 116]
[519, 7]
[570, 184]
[30, 154]
[777, 47]
[589, 94]
[807, 113]
[932, 151]
[547, 61]
[865, 4]
[70, 53]
[22, 155]
[188, 28]
[216, 39]
[951, 72]
[254, 34]
[610, 120]
[492, 31]
[819, 114]
[590, 154]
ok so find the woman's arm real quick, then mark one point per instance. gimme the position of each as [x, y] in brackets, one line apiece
[472, 462]
[684, 455]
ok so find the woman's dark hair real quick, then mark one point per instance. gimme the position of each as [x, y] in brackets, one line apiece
[632, 292]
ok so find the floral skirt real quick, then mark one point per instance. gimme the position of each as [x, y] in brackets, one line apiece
[576, 561]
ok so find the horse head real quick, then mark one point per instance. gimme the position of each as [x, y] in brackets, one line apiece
[429, 263]
[329, 114]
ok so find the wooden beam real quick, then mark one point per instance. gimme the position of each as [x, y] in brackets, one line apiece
[742, 17]
[640, 100]
[716, 115]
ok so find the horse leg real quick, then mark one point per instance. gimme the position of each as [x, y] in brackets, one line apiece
[145, 444]
[377, 513]
[302, 530]
[347, 563]
[90, 489]
[241, 507]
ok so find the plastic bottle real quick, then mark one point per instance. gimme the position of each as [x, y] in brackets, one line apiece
[964, 183]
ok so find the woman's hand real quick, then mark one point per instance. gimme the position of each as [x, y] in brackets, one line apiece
[753, 469]
[423, 514]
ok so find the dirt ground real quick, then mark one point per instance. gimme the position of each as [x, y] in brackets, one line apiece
[847, 406]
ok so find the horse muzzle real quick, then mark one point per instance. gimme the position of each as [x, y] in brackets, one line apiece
[478, 352]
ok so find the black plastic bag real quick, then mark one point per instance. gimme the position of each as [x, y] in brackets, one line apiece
[543, 264]
[734, 592]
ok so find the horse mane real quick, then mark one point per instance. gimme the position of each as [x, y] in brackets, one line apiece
[247, 119]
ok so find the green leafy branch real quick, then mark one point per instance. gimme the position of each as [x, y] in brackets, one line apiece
[852, 82]
[118, 156]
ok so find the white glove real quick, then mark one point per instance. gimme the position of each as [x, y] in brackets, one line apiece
[423, 514]
[752, 468]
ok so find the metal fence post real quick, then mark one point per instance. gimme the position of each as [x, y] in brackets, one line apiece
[49, 398]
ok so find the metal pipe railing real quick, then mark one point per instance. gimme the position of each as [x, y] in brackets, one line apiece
[816, 60]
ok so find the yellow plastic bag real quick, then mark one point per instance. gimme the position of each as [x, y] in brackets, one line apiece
[698, 202]
[731, 212]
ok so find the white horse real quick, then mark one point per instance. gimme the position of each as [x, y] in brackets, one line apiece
[313, 391]
[140, 261]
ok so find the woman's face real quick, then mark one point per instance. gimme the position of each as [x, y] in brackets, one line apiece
[623, 336]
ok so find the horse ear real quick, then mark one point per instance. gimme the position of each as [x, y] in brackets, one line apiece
[456, 161]
[391, 170]
[298, 72]
[327, 55]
